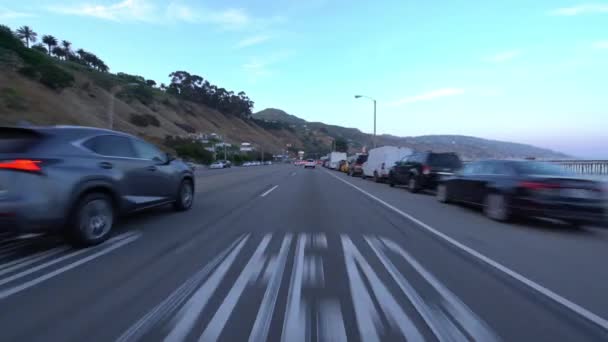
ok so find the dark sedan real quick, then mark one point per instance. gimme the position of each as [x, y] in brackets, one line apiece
[525, 188]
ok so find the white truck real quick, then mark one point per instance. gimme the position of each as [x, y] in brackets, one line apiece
[335, 158]
[381, 159]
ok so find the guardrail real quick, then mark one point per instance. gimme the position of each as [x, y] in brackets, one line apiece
[586, 167]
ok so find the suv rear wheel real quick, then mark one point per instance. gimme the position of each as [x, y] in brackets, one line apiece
[91, 221]
[412, 185]
[442, 193]
[496, 207]
[185, 196]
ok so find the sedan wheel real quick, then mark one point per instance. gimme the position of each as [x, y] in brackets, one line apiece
[442, 193]
[496, 208]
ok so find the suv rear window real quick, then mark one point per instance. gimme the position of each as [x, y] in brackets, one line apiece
[444, 160]
[17, 140]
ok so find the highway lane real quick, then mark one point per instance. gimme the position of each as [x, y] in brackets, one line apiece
[283, 253]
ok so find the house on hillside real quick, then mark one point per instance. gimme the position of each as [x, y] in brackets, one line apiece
[246, 147]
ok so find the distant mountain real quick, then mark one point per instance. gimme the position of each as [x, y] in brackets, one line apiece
[272, 114]
[316, 134]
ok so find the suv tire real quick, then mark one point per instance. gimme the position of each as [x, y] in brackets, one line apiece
[443, 195]
[496, 207]
[91, 221]
[412, 185]
[185, 196]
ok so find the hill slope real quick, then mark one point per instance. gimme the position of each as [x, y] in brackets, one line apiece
[468, 147]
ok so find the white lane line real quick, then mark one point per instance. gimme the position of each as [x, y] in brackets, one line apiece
[33, 282]
[295, 322]
[599, 321]
[441, 325]
[368, 319]
[264, 318]
[269, 191]
[250, 272]
[189, 313]
[23, 262]
[60, 259]
[330, 322]
[175, 299]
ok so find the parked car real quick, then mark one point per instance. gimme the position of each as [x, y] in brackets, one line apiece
[422, 170]
[78, 180]
[356, 167]
[526, 188]
[218, 165]
[268, 162]
[310, 163]
[343, 166]
[380, 161]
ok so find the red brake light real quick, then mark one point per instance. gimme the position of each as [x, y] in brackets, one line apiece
[21, 165]
[537, 185]
[426, 169]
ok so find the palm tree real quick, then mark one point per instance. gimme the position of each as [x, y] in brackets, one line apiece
[25, 32]
[50, 41]
[66, 47]
[59, 52]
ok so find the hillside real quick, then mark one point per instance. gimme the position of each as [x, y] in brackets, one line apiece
[467, 147]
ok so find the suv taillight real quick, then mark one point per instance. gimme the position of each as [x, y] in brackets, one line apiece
[426, 169]
[21, 165]
[538, 185]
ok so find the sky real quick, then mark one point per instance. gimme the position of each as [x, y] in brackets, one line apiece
[525, 71]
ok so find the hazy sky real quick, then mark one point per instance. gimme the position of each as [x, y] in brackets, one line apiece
[521, 70]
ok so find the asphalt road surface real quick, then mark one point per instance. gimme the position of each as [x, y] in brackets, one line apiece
[282, 253]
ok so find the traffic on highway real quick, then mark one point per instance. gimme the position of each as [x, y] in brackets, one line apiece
[293, 253]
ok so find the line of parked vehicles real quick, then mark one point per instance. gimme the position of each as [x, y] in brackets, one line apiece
[504, 189]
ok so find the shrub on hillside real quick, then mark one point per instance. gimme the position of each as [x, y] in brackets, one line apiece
[185, 127]
[189, 149]
[144, 120]
[12, 99]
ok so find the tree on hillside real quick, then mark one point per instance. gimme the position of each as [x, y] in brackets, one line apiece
[67, 48]
[39, 47]
[27, 34]
[341, 145]
[91, 61]
[151, 83]
[59, 52]
[50, 41]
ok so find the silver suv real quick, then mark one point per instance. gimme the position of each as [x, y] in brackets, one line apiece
[78, 180]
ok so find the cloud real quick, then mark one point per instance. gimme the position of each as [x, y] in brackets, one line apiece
[262, 66]
[139, 10]
[503, 56]
[581, 9]
[430, 95]
[6, 14]
[602, 44]
[253, 40]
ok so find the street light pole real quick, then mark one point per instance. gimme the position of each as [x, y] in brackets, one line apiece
[374, 100]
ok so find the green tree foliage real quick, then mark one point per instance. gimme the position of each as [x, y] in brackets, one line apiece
[89, 59]
[151, 83]
[40, 48]
[196, 89]
[189, 149]
[36, 65]
[50, 41]
[27, 34]
[341, 145]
